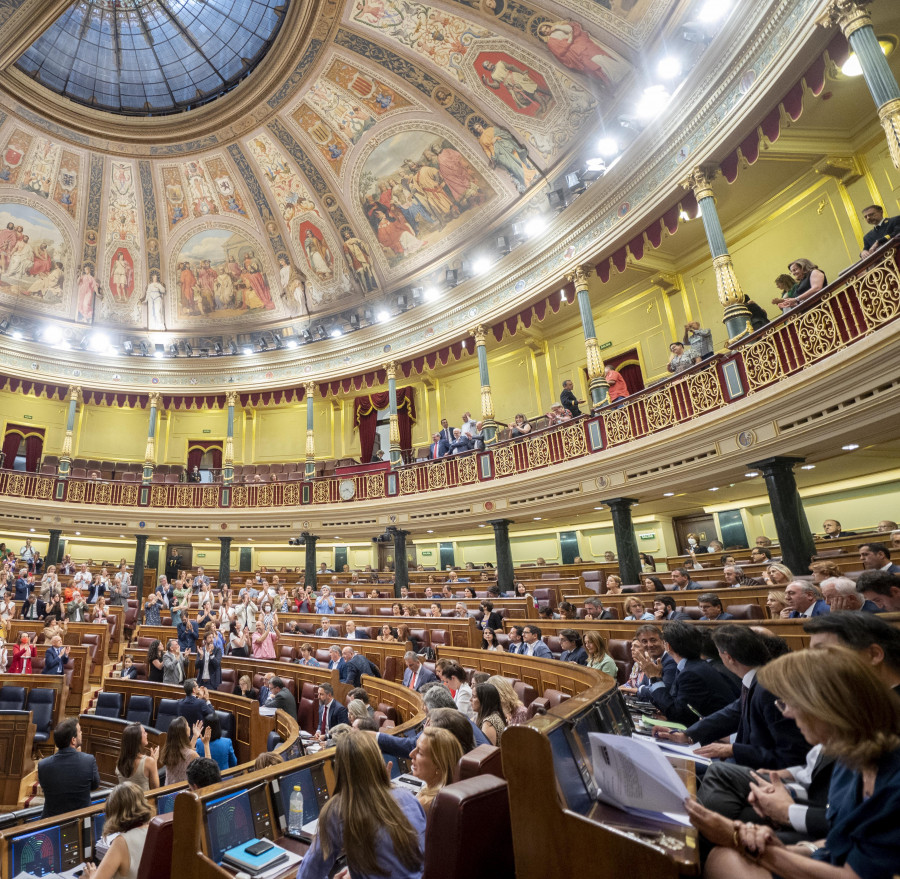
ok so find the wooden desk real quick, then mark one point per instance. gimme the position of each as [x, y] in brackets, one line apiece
[17, 737]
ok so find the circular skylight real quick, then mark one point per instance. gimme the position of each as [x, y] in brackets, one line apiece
[149, 57]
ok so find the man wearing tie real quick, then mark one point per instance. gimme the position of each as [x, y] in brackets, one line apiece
[55, 657]
[416, 675]
[438, 448]
[331, 712]
[883, 228]
[446, 432]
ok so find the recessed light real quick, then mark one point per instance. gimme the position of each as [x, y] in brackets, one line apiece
[850, 447]
[78, 534]
[429, 531]
[808, 467]
[537, 518]
[669, 67]
[32, 530]
[248, 350]
[607, 147]
[206, 538]
[481, 265]
[714, 488]
[336, 333]
[669, 494]
[482, 526]
[598, 508]
[122, 536]
[751, 474]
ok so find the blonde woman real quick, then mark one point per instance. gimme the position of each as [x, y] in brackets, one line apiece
[598, 658]
[514, 712]
[777, 576]
[775, 604]
[613, 585]
[128, 816]
[356, 710]
[434, 759]
[635, 610]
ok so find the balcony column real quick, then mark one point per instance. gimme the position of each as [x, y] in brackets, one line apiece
[150, 451]
[396, 457]
[599, 386]
[52, 556]
[228, 457]
[309, 571]
[626, 543]
[505, 571]
[401, 564]
[791, 525]
[731, 296]
[65, 458]
[852, 16]
[488, 424]
[140, 558]
[224, 562]
[310, 388]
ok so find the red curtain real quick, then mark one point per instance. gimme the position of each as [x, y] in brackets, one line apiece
[197, 449]
[11, 448]
[34, 446]
[366, 419]
[629, 367]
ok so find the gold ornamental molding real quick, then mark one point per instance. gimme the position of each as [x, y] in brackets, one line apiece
[848, 15]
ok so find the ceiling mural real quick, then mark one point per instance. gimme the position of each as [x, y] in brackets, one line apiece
[400, 132]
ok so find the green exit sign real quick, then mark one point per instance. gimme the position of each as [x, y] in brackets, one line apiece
[207, 430]
[27, 417]
[605, 345]
[648, 536]
[201, 555]
[426, 552]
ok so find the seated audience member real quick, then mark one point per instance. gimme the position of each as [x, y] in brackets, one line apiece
[650, 583]
[434, 760]
[648, 649]
[534, 646]
[567, 611]
[881, 589]
[380, 830]
[664, 608]
[594, 610]
[454, 678]
[838, 701]
[596, 655]
[697, 686]
[777, 575]
[760, 734]
[416, 674]
[514, 710]
[803, 600]
[68, 777]
[267, 759]
[180, 749]
[128, 816]
[521, 427]
[682, 579]
[883, 228]
[203, 772]
[133, 766]
[810, 280]
[572, 647]
[219, 747]
[734, 576]
[634, 610]
[281, 697]
[840, 594]
[775, 604]
[195, 705]
[129, 669]
[833, 530]
[648, 563]
[877, 557]
[613, 585]
[609, 556]
[885, 526]
[548, 613]
[56, 656]
[355, 666]
[760, 555]
[489, 639]
[711, 607]
[489, 712]
[679, 359]
[557, 415]
[244, 687]
[516, 641]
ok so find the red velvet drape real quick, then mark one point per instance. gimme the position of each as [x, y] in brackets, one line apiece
[195, 455]
[629, 367]
[366, 418]
[197, 449]
[10, 448]
[34, 447]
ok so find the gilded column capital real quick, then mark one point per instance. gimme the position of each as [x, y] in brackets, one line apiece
[700, 180]
[579, 276]
[480, 334]
[390, 369]
[154, 399]
[848, 15]
[309, 389]
[231, 398]
[75, 393]
[889, 114]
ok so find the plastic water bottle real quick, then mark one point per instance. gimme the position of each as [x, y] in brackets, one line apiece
[295, 818]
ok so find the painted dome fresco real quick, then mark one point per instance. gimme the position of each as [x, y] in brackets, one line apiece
[217, 166]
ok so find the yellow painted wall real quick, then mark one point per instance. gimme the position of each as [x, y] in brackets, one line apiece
[177, 427]
[49, 414]
[112, 434]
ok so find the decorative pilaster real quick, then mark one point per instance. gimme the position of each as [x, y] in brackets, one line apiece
[310, 389]
[505, 571]
[228, 457]
[736, 314]
[224, 562]
[488, 424]
[396, 457]
[150, 451]
[65, 458]
[599, 386]
[852, 16]
[626, 543]
[309, 571]
[794, 537]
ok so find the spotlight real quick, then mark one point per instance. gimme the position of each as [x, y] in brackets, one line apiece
[418, 293]
[575, 183]
[431, 293]
[608, 147]
[695, 32]
[669, 67]
[713, 10]
[503, 245]
[336, 333]
[188, 349]
[556, 199]
[354, 321]
[16, 334]
[481, 265]
[307, 335]
[145, 348]
[99, 342]
[263, 344]
[518, 230]
[852, 67]
[383, 317]
[291, 343]
[52, 335]
[128, 346]
[232, 347]
[653, 101]
[173, 349]
[217, 347]
[279, 342]
[596, 168]
[402, 302]
[450, 278]
[4, 325]
[320, 330]
[247, 349]
[535, 226]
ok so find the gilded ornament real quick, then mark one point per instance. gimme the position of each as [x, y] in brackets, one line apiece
[504, 461]
[43, 489]
[159, 496]
[879, 294]
[727, 285]
[239, 496]
[265, 495]
[408, 483]
[762, 363]
[290, 494]
[129, 495]
[320, 492]
[618, 426]
[487, 403]
[705, 390]
[574, 445]
[849, 15]
[210, 496]
[374, 486]
[184, 496]
[103, 493]
[538, 452]
[889, 114]
[659, 409]
[437, 476]
[818, 332]
[700, 181]
[594, 360]
[467, 469]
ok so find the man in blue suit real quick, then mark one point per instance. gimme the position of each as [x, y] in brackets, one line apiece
[462, 443]
[188, 633]
[711, 607]
[803, 600]
[331, 712]
[194, 706]
[877, 557]
[534, 646]
[651, 650]
[55, 657]
[22, 587]
[416, 674]
[516, 641]
[698, 689]
[355, 666]
[209, 663]
[68, 777]
[326, 630]
[438, 448]
[353, 633]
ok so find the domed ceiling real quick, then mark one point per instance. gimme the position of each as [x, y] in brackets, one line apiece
[401, 133]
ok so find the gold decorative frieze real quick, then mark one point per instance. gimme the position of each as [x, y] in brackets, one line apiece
[467, 469]
[374, 485]
[240, 495]
[538, 451]
[818, 332]
[210, 496]
[265, 495]
[504, 461]
[408, 482]
[320, 493]
[762, 363]
[879, 294]
[159, 497]
[660, 412]
[437, 476]
[705, 390]
[574, 445]
[618, 426]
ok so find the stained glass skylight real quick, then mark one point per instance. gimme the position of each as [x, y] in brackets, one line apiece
[148, 57]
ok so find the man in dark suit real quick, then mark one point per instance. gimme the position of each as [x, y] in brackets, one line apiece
[883, 228]
[331, 712]
[877, 557]
[438, 448]
[209, 663]
[173, 565]
[264, 691]
[763, 736]
[568, 398]
[651, 651]
[188, 633]
[33, 608]
[681, 577]
[281, 697]
[572, 647]
[355, 666]
[461, 444]
[594, 609]
[664, 608]
[22, 588]
[335, 660]
[803, 600]
[194, 706]
[416, 674]
[68, 777]
[55, 657]
[326, 630]
[447, 432]
[711, 607]
[698, 689]
[353, 633]
[833, 530]
[516, 642]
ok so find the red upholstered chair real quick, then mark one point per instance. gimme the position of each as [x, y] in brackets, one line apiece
[307, 713]
[551, 575]
[745, 611]
[439, 637]
[287, 653]
[544, 597]
[309, 691]
[554, 697]
[693, 612]
[525, 692]
[229, 679]
[484, 760]
[156, 861]
[323, 656]
[593, 581]
[468, 834]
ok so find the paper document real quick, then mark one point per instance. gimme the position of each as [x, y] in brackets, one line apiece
[665, 724]
[266, 712]
[688, 752]
[634, 775]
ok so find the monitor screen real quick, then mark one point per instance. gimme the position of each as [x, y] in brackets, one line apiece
[51, 850]
[569, 777]
[165, 803]
[236, 818]
[97, 822]
[315, 791]
[398, 765]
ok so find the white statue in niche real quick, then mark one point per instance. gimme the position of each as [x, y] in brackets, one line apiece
[154, 296]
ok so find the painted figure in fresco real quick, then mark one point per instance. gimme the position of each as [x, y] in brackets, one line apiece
[501, 148]
[48, 285]
[257, 294]
[358, 259]
[22, 258]
[223, 290]
[154, 296]
[88, 288]
[206, 278]
[521, 85]
[293, 285]
[319, 255]
[576, 49]
[121, 278]
[187, 281]
[456, 172]
[8, 241]
[42, 262]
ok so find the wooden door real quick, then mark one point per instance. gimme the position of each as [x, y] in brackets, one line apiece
[704, 526]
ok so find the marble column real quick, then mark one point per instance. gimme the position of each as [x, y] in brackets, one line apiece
[731, 296]
[505, 571]
[65, 458]
[52, 556]
[488, 424]
[852, 16]
[150, 451]
[228, 457]
[309, 572]
[140, 558]
[401, 564]
[599, 386]
[396, 456]
[224, 562]
[794, 536]
[310, 389]
[626, 543]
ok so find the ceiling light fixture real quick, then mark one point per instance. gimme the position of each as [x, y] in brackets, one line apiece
[652, 102]
[850, 447]
[808, 467]
[247, 349]
[669, 494]
[751, 474]
[52, 335]
[852, 67]
[713, 10]
[382, 317]
[714, 488]
[336, 333]
[669, 67]
[481, 265]
[537, 518]
[431, 293]
[535, 226]
[608, 147]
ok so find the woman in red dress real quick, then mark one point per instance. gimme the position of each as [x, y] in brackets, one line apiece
[21, 658]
